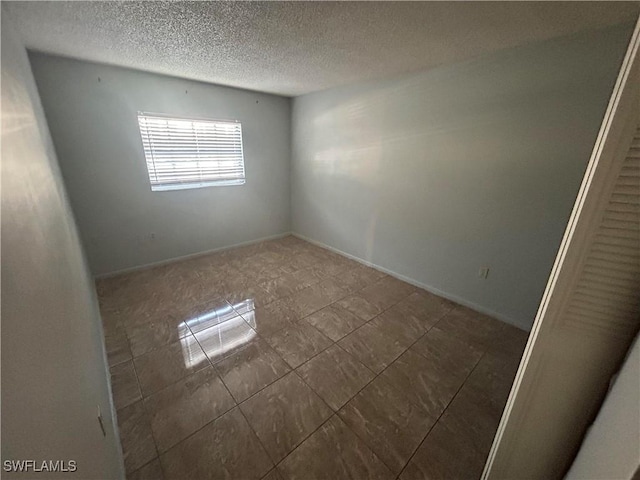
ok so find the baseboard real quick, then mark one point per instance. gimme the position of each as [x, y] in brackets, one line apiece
[190, 256]
[416, 283]
[424, 286]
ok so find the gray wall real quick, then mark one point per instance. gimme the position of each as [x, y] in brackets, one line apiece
[435, 175]
[91, 110]
[54, 373]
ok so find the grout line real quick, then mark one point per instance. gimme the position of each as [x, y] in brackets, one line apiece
[263, 338]
[444, 410]
[375, 376]
[249, 423]
[146, 414]
[291, 370]
[334, 277]
[334, 342]
[336, 412]
[237, 405]
[146, 464]
[333, 414]
[257, 437]
[143, 398]
[395, 388]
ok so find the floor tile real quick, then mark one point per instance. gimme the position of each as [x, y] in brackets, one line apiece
[244, 306]
[299, 261]
[315, 297]
[251, 369]
[334, 321]
[402, 329]
[225, 339]
[154, 304]
[164, 366]
[151, 471]
[284, 414]
[447, 352]
[458, 445]
[271, 318]
[493, 377]
[115, 287]
[444, 454]
[298, 342]
[510, 341]
[198, 300]
[425, 383]
[235, 280]
[333, 452]
[308, 276]
[144, 337]
[335, 375]
[307, 301]
[358, 277]
[473, 417]
[188, 340]
[372, 346]
[111, 323]
[182, 408]
[215, 276]
[423, 307]
[136, 438]
[124, 385]
[273, 475]
[386, 292]
[388, 422]
[257, 295]
[263, 271]
[117, 347]
[360, 307]
[330, 288]
[226, 448]
[471, 327]
[282, 286]
[209, 314]
[292, 241]
[335, 265]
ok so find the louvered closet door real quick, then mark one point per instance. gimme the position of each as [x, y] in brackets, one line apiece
[607, 296]
[590, 310]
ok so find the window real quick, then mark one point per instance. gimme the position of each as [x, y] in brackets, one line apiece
[189, 153]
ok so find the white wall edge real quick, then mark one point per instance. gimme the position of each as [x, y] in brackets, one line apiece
[424, 286]
[190, 256]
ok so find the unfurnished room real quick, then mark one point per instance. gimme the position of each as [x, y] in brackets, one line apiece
[320, 240]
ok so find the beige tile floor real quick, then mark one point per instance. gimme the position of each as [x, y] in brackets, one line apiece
[282, 360]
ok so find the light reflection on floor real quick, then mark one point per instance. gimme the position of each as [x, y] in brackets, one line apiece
[166, 392]
[229, 333]
[191, 352]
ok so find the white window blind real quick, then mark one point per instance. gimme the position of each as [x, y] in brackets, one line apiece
[189, 153]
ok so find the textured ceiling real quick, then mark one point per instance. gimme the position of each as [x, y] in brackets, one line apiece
[292, 48]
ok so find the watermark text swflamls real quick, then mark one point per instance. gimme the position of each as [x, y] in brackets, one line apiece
[39, 466]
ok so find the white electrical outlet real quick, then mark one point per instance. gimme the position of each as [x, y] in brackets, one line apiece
[483, 273]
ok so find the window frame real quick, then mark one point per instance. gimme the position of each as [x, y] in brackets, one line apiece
[193, 184]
